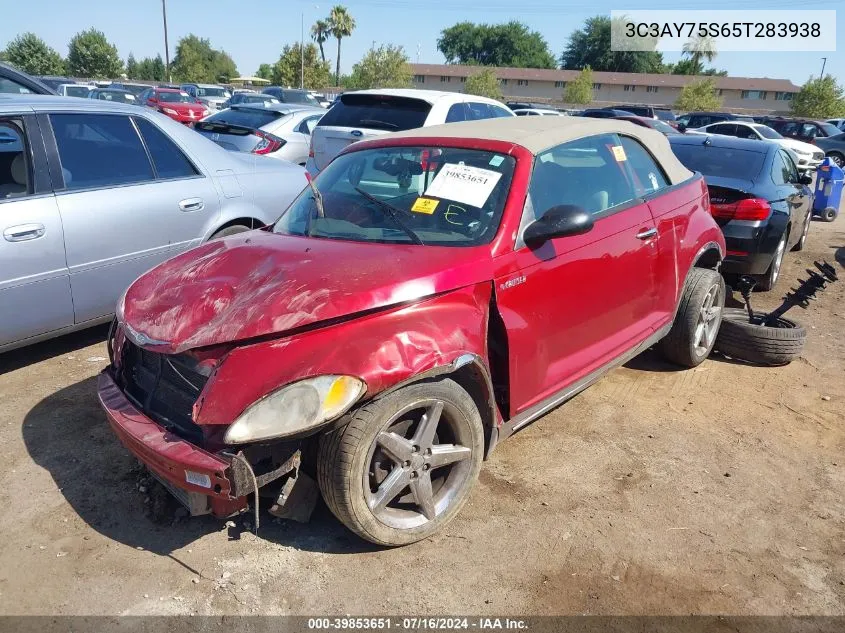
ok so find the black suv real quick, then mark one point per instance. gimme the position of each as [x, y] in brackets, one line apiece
[647, 111]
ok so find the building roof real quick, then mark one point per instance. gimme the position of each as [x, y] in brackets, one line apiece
[632, 79]
[537, 134]
[429, 96]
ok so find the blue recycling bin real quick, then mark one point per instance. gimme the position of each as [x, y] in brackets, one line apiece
[830, 180]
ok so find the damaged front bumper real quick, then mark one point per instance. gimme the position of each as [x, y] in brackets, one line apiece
[205, 483]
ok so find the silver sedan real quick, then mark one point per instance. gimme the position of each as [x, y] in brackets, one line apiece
[278, 130]
[93, 193]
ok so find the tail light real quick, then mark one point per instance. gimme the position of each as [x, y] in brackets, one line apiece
[747, 209]
[267, 143]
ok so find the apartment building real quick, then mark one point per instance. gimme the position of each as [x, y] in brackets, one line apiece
[753, 94]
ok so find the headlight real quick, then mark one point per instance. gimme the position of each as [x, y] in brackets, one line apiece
[301, 406]
[169, 111]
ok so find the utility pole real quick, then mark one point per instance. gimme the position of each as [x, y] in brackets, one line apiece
[302, 51]
[166, 48]
[418, 52]
[824, 61]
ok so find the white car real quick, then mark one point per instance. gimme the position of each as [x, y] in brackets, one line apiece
[537, 112]
[74, 90]
[807, 156]
[369, 113]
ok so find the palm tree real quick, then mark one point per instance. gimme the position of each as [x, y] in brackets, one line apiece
[341, 25]
[699, 48]
[320, 33]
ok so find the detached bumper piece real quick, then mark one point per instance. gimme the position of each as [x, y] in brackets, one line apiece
[203, 482]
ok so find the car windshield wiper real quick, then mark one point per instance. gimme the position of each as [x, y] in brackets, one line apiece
[393, 213]
[318, 202]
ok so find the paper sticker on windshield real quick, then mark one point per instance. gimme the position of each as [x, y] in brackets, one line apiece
[465, 184]
[425, 205]
[497, 160]
[619, 153]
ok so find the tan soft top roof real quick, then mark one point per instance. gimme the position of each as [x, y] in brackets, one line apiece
[537, 134]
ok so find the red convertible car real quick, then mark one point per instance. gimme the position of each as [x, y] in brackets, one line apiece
[427, 295]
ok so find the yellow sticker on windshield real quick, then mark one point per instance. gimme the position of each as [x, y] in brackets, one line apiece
[619, 153]
[425, 205]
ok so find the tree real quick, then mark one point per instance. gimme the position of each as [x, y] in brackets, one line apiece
[90, 54]
[131, 67]
[819, 98]
[591, 46]
[699, 95]
[581, 89]
[196, 60]
[696, 49]
[286, 70]
[32, 55]
[383, 67]
[484, 84]
[265, 71]
[150, 69]
[510, 44]
[320, 33]
[341, 25]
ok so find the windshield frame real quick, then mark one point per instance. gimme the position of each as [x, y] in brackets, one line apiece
[498, 239]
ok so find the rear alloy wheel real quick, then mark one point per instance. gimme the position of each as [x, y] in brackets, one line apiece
[697, 322]
[799, 245]
[768, 281]
[404, 464]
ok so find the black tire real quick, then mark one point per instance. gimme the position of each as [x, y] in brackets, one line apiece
[759, 344]
[346, 461]
[829, 214]
[768, 280]
[230, 230]
[799, 245]
[838, 158]
[683, 345]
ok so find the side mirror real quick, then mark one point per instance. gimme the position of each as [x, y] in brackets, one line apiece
[805, 179]
[560, 221]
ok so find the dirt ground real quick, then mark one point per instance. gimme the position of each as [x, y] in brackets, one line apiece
[657, 491]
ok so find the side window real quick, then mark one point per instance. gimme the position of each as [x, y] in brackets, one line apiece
[723, 128]
[790, 171]
[780, 171]
[308, 125]
[498, 112]
[648, 177]
[168, 159]
[589, 173]
[456, 113]
[809, 130]
[743, 131]
[100, 150]
[15, 181]
[10, 86]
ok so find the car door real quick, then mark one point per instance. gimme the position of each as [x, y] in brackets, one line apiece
[575, 303]
[795, 195]
[131, 198]
[34, 284]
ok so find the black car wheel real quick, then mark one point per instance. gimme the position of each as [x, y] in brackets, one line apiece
[776, 344]
[799, 245]
[829, 214]
[838, 158]
[768, 281]
[404, 464]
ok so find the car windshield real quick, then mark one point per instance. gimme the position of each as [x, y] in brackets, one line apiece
[421, 195]
[116, 96]
[720, 161]
[258, 99]
[766, 132]
[665, 115]
[298, 96]
[248, 117]
[174, 97]
[830, 130]
[379, 112]
[77, 91]
[660, 126]
[213, 92]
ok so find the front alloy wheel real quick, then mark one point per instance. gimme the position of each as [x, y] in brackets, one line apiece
[404, 464]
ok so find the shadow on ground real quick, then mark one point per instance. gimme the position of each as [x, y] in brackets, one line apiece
[25, 356]
[67, 434]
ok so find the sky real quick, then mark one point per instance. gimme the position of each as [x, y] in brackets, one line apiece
[254, 31]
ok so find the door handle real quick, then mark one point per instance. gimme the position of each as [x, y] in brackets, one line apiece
[647, 233]
[191, 204]
[24, 232]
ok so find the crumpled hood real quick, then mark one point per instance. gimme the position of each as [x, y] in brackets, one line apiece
[259, 283]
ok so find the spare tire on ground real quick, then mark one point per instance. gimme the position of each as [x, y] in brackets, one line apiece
[756, 343]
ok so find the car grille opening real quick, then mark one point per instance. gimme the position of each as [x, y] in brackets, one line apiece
[164, 387]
